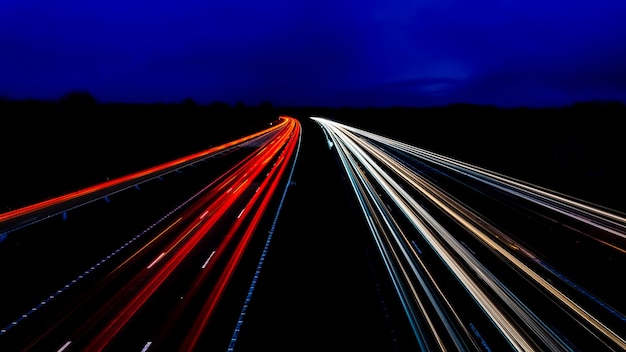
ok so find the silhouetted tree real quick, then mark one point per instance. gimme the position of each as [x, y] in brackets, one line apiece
[78, 99]
[266, 111]
[189, 102]
[219, 106]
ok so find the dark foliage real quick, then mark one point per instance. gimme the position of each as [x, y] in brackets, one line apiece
[78, 99]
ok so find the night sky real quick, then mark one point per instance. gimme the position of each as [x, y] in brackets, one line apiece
[532, 53]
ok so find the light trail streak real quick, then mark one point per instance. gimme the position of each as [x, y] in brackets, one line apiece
[146, 346]
[558, 294]
[462, 214]
[219, 203]
[405, 202]
[64, 347]
[209, 207]
[156, 260]
[235, 335]
[24, 211]
[609, 221]
[213, 185]
[207, 260]
[349, 141]
[405, 298]
[260, 200]
[105, 336]
[392, 260]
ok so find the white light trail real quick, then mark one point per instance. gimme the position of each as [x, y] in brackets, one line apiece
[207, 260]
[156, 260]
[363, 160]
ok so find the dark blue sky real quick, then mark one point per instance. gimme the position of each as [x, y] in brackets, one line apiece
[316, 53]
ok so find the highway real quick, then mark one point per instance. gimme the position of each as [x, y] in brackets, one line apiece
[160, 288]
[313, 234]
[477, 257]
